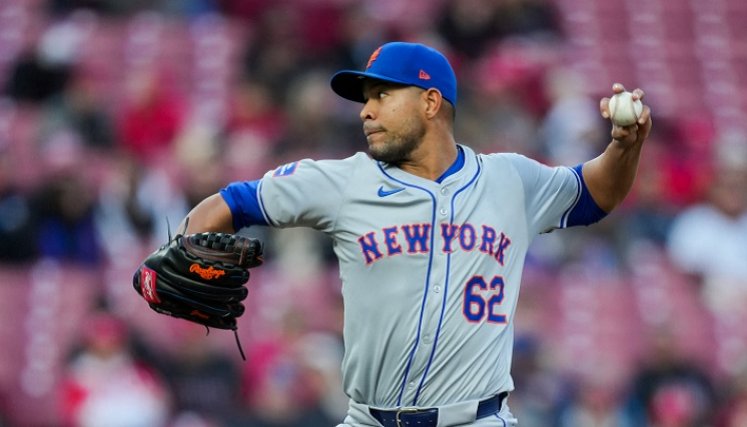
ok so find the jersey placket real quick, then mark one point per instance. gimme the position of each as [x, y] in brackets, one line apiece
[434, 302]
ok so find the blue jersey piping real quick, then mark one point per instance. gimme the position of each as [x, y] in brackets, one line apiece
[446, 288]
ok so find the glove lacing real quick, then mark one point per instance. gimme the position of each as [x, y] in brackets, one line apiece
[238, 344]
[238, 341]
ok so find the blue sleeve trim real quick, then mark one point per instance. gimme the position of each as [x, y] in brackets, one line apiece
[243, 201]
[586, 211]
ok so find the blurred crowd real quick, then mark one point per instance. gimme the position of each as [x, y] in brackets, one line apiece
[117, 117]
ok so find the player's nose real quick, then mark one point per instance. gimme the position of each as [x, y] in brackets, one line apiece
[367, 112]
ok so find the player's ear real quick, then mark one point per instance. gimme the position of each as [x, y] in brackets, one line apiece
[433, 102]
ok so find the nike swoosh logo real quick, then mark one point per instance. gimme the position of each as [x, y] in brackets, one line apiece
[384, 193]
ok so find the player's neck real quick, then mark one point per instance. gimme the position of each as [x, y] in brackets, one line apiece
[431, 159]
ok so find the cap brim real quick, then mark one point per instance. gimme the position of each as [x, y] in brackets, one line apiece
[349, 84]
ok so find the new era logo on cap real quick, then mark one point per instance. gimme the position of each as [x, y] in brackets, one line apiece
[401, 63]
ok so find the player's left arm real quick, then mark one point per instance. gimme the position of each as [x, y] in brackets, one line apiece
[610, 176]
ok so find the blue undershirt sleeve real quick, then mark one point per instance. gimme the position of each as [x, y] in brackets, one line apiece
[586, 211]
[241, 197]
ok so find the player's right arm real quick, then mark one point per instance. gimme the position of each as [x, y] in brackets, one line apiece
[234, 207]
[211, 214]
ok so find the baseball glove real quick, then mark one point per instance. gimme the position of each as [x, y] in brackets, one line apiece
[200, 277]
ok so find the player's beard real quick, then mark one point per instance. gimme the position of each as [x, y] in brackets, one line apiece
[398, 147]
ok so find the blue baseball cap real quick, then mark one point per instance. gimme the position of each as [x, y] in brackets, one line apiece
[410, 64]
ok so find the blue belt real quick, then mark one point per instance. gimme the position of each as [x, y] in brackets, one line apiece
[428, 417]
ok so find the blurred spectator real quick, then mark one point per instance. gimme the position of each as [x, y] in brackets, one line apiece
[539, 390]
[500, 122]
[17, 219]
[208, 181]
[248, 10]
[198, 148]
[313, 126]
[135, 206]
[273, 56]
[64, 7]
[650, 217]
[670, 176]
[65, 202]
[282, 389]
[33, 79]
[255, 124]
[322, 352]
[79, 110]
[321, 29]
[508, 97]
[361, 34]
[44, 70]
[572, 130]
[4, 419]
[708, 239]
[255, 110]
[597, 403]
[733, 412]
[151, 117]
[670, 391]
[528, 18]
[104, 385]
[469, 26]
[473, 26]
[205, 382]
[120, 9]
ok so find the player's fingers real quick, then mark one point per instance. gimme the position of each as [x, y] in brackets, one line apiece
[618, 88]
[638, 93]
[645, 115]
[604, 107]
[644, 128]
[621, 133]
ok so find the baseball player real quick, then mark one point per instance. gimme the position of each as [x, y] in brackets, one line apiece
[431, 239]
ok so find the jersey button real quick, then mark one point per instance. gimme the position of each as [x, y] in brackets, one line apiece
[436, 289]
[444, 191]
[443, 211]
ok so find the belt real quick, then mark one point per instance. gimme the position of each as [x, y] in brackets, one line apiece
[428, 417]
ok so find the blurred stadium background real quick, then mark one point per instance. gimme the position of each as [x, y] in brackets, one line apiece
[115, 115]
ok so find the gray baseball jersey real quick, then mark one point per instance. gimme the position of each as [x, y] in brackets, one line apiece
[430, 270]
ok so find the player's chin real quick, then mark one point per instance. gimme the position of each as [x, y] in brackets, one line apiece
[376, 155]
[391, 150]
[381, 154]
[377, 148]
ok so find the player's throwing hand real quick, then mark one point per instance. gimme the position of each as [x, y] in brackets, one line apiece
[634, 133]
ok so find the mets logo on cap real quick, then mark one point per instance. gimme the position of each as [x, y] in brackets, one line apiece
[373, 57]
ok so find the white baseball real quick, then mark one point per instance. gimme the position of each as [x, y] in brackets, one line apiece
[623, 110]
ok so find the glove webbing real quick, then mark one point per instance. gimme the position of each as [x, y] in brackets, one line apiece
[220, 242]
